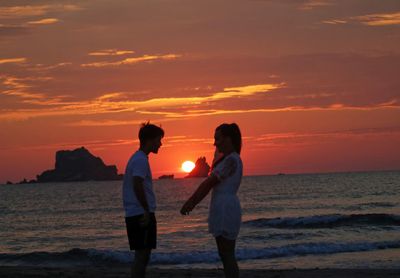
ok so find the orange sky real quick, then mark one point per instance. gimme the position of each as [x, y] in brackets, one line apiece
[314, 85]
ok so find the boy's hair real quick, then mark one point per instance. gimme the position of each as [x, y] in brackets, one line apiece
[149, 131]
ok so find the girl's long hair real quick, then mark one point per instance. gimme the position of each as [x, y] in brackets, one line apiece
[233, 132]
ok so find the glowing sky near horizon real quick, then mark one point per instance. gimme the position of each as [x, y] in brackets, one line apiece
[313, 84]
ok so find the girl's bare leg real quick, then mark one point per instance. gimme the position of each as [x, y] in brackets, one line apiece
[226, 250]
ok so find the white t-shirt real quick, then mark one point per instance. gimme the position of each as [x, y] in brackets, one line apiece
[138, 165]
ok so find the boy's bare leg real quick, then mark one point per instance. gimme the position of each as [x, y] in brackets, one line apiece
[139, 265]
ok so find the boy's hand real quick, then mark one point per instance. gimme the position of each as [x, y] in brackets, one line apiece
[145, 219]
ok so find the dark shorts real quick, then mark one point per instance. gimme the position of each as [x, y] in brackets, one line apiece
[141, 237]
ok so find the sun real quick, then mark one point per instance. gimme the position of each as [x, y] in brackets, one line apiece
[187, 166]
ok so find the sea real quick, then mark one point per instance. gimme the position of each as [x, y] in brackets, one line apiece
[340, 220]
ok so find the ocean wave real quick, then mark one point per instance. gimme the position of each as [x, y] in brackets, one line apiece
[370, 205]
[327, 221]
[84, 257]
[72, 211]
[262, 237]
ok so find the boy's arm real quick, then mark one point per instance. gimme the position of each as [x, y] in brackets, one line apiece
[138, 188]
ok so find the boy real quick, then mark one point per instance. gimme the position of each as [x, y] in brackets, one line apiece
[139, 199]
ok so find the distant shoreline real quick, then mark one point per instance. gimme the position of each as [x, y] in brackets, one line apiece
[257, 175]
[322, 173]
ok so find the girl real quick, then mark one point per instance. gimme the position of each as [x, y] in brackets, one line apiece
[225, 212]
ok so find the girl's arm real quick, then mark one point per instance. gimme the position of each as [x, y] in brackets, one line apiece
[199, 194]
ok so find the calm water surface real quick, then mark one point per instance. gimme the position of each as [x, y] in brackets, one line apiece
[322, 220]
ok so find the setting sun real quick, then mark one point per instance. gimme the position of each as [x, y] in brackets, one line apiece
[187, 166]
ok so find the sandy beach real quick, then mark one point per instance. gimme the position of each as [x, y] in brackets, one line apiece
[6, 272]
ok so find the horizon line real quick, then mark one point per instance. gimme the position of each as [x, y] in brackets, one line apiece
[255, 175]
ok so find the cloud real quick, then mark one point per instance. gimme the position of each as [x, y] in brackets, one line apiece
[313, 4]
[245, 91]
[273, 140]
[210, 112]
[41, 67]
[116, 102]
[44, 21]
[379, 19]
[166, 107]
[302, 4]
[23, 28]
[185, 114]
[30, 11]
[19, 87]
[369, 20]
[72, 145]
[110, 52]
[104, 123]
[134, 60]
[119, 102]
[323, 83]
[335, 21]
[12, 60]
[311, 96]
[22, 11]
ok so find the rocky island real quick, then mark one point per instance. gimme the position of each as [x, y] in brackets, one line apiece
[166, 177]
[79, 165]
[201, 168]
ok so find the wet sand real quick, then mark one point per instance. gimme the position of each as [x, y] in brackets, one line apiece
[6, 272]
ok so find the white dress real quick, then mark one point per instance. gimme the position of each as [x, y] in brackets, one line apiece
[225, 213]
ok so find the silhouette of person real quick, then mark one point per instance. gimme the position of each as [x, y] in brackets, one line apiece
[139, 199]
[225, 212]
